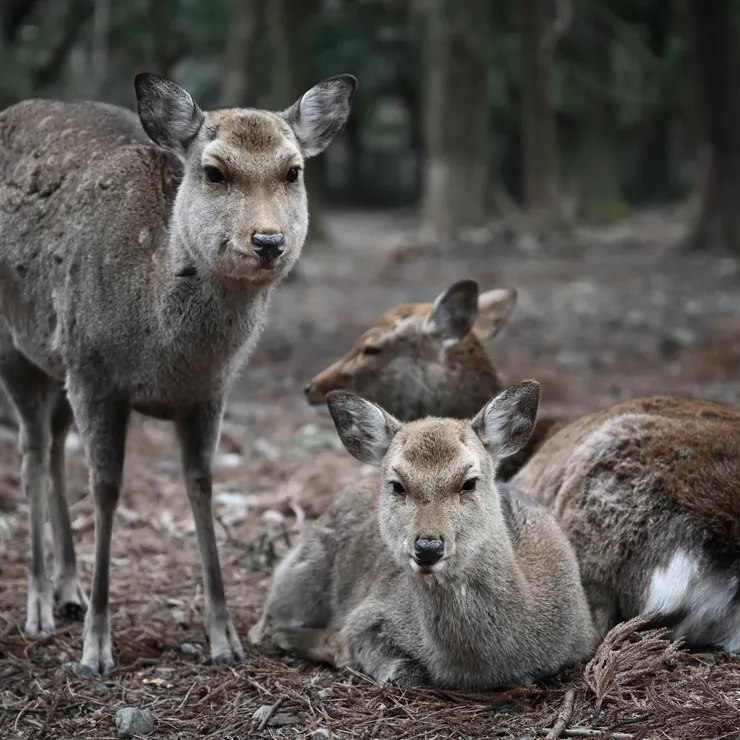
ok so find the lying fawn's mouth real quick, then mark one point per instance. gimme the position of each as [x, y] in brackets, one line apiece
[427, 568]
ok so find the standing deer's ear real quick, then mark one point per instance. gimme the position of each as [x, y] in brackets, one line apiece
[453, 313]
[505, 423]
[365, 429]
[494, 309]
[168, 114]
[319, 115]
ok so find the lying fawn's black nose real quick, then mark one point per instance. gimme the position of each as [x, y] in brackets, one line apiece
[268, 246]
[428, 552]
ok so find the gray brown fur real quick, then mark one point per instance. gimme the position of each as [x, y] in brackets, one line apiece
[128, 281]
[504, 606]
[648, 491]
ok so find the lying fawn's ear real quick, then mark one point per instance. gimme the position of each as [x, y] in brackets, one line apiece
[365, 429]
[453, 313]
[168, 114]
[319, 115]
[494, 309]
[505, 423]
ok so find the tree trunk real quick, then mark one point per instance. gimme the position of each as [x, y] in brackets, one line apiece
[714, 40]
[292, 77]
[601, 194]
[539, 156]
[455, 113]
[243, 66]
[101, 31]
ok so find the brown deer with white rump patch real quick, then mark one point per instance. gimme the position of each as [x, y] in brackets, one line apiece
[433, 575]
[648, 492]
[138, 255]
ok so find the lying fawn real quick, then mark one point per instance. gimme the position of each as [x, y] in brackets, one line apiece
[439, 577]
[648, 492]
[137, 260]
[430, 359]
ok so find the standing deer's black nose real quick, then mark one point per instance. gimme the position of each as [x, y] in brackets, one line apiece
[268, 246]
[428, 552]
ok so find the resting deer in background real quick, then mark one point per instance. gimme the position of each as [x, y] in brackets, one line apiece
[433, 575]
[430, 359]
[137, 260]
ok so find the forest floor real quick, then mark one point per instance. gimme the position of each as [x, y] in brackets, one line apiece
[603, 315]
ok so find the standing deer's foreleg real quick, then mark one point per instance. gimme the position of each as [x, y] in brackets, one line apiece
[198, 432]
[102, 423]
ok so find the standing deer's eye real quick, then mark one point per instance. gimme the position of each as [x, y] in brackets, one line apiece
[369, 349]
[398, 489]
[214, 174]
[469, 485]
[292, 174]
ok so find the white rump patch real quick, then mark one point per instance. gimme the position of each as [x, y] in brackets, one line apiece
[706, 596]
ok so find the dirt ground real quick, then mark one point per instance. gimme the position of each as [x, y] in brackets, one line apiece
[601, 316]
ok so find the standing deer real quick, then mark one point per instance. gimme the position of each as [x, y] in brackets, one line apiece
[137, 260]
[433, 575]
[430, 359]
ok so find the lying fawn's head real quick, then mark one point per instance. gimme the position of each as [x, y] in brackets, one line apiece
[425, 359]
[241, 207]
[439, 507]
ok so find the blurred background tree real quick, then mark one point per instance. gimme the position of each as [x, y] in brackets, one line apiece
[559, 111]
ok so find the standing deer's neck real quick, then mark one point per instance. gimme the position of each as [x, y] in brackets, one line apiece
[215, 310]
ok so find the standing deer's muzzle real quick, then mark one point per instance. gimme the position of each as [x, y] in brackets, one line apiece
[268, 246]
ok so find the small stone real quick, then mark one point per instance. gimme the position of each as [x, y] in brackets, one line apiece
[98, 687]
[320, 734]
[9, 671]
[261, 712]
[190, 649]
[164, 672]
[281, 719]
[131, 721]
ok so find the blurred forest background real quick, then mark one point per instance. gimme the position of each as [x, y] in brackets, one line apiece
[555, 111]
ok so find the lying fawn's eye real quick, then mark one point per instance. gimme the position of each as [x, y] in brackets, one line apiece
[214, 174]
[398, 488]
[370, 350]
[292, 174]
[470, 485]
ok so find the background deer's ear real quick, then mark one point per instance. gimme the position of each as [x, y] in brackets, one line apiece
[494, 309]
[453, 313]
[505, 423]
[365, 429]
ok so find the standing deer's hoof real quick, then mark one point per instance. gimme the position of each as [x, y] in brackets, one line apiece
[40, 612]
[72, 599]
[97, 652]
[226, 648]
